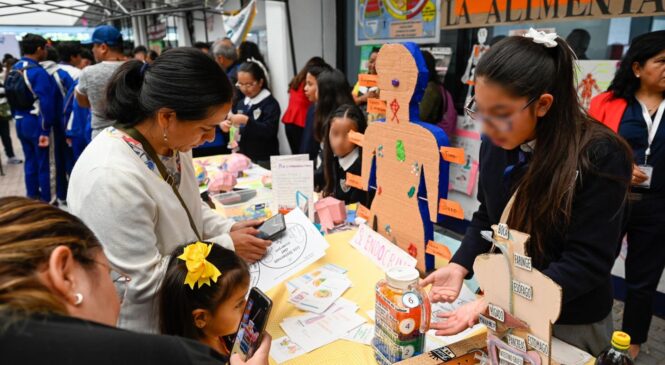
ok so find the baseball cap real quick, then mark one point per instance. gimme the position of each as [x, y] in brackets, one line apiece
[105, 34]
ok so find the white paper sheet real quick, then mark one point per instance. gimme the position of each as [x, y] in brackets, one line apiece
[293, 184]
[300, 246]
[320, 292]
[283, 349]
[312, 331]
[362, 334]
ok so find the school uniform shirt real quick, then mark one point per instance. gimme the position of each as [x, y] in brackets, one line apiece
[258, 138]
[581, 256]
[633, 128]
[116, 189]
[55, 339]
[38, 119]
[351, 163]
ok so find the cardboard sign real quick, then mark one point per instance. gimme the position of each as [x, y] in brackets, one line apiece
[438, 249]
[383, 252]
[356, 138]
[454, 155]
[367, 80]
[363, 212]
[376, 106]
[354, 181]
[451, 208]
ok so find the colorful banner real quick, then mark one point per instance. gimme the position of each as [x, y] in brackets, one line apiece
[238, 25]
[482, 13]
[381, 21]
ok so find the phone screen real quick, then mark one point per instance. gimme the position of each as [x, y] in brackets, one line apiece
[272, 227]
[252, 324]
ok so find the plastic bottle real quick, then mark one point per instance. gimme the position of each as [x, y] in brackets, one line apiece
[402, 316]
[617, 354]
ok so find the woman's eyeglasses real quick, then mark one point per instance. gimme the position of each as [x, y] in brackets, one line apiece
[502, 124]
[245, 86]
[120, 280]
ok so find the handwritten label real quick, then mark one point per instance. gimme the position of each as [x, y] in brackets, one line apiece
[538, 344]
[363, 212]
[453, 154]
[523, 262]
[376, 106]
[354, 181]
[356, 138]
[438, 249]
[516, 342]
[503, 231]
[443, 353]
[451, 208]
[523, 290]
[381, 251]
[510, 358]
[367, 80]
[487, 322]
[497, 313]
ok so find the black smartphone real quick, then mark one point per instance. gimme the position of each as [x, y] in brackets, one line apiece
[252, 324]
[272, 228]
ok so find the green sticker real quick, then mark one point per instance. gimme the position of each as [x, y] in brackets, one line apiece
[401, 155]
[412, 191]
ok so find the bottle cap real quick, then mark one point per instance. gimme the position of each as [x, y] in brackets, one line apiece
[402, 276]
[620, 340]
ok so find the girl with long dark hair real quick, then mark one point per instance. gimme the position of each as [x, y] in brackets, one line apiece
[569, 178]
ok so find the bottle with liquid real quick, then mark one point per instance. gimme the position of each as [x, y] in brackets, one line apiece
[402, 316]
[617, 354]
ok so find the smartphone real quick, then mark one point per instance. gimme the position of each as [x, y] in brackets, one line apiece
[272, 228]
[252, 324]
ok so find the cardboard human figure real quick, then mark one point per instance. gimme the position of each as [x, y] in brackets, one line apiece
[523, 302]
[401, 158]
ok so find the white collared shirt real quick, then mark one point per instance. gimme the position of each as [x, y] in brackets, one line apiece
[347, 161]
[261, 96]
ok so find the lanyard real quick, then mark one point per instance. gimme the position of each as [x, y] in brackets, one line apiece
[652, 125]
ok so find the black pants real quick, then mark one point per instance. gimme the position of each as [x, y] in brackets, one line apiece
[6, 137]
[644, 264]
[294, 135]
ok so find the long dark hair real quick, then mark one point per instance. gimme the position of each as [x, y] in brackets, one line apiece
[544, 201]
[352, 112]
[249, 50]
[183, 79]
[258, 73]
[334, 90]
[430, 62]
[300, 77]
[177, 300]
[625, 83]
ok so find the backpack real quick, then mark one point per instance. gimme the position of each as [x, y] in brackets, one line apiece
[18, 89]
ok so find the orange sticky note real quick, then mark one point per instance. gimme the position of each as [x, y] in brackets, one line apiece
[354, 181]
[363, 212]
[367, 80]
[453, 154]
[356, 138]
[451, 208]
[376, 106]
[438, 249]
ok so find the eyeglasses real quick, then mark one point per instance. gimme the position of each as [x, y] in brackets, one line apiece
[120, 280]
[502, 124]
[245, 86]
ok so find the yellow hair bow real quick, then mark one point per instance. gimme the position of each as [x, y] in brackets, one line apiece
[199, 270]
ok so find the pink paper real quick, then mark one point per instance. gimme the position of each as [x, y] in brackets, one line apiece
[331, 212]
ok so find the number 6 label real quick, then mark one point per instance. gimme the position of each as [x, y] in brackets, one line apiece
[410, 300]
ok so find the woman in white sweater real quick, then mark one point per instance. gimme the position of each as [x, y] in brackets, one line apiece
[131, 182]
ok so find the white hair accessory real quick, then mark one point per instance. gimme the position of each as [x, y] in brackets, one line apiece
[546, 39]
[263, 67]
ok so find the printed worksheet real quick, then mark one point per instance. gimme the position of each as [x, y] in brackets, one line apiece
[299, 246]
[293, 183]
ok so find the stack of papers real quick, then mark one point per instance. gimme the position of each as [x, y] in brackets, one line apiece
[316, 291]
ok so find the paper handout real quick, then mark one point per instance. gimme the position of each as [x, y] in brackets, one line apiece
[320, 292]
[299, 246]
[293, 183]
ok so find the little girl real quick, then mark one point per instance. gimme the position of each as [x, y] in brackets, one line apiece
[203, 295]
[257, 114]
[341, 156]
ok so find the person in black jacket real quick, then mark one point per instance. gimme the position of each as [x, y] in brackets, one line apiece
[569, 175]
[257, 115]
[59, 304]
[341, 156]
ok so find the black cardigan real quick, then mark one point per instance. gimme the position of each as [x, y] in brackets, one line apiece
[258, 139]
[66, 340]
[580, 260]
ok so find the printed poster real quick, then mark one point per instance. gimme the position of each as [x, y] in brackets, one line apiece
[593, 78]
[381, 21]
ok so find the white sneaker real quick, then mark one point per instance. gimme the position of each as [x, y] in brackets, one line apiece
[14, 161]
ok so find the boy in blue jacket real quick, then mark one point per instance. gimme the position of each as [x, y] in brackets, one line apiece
[33, 125]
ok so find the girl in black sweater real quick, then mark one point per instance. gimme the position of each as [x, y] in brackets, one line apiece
[570, 176]
[257, 114]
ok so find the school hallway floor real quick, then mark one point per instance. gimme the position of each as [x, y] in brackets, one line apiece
[652, 354]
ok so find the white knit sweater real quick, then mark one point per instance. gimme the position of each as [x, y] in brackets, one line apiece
[138, 219]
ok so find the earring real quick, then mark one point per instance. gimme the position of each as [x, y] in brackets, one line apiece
[638, 76]
[79, 299]
[166, 138]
